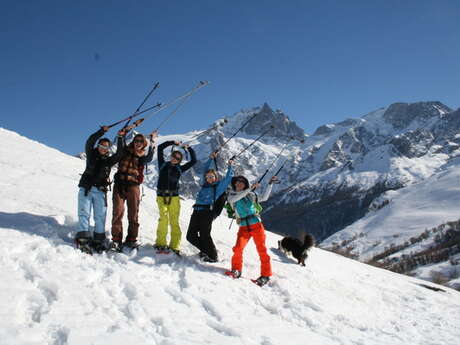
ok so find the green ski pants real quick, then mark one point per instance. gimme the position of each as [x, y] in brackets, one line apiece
[169, 214]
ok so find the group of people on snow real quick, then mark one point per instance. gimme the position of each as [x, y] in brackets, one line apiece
[132, 158]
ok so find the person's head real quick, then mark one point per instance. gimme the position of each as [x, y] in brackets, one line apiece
[211, 176]
[240, 183]
[176, 157]
[139, 142]
[103, 146]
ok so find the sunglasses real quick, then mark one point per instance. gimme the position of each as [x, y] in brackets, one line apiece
[210, 176]
[138, 141]
[177, 158]
[103, 147]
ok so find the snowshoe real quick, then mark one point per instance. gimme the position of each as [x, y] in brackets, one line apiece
[129, 247]
[235, 274]
[99, 246]
[161, 249]
[261, 281]
[206, 258]
[131, 244]
[84, 244]
[115, 246]
[99, 243]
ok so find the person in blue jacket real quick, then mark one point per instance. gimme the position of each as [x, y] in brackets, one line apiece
[199, 229]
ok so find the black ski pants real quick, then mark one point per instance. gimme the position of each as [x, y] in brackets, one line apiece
[199, 232]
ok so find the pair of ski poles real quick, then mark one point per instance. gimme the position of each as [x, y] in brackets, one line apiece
[183, 98]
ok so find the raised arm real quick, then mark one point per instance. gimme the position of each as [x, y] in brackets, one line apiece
[223, 184]
[92, 140]
[192, 161]
[266, 194]
[148, 158]
[161, 147]
[207, 166]
[120, 150]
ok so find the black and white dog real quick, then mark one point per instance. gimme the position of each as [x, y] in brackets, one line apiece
[295, 247]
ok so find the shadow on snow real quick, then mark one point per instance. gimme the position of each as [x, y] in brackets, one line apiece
[50, 227]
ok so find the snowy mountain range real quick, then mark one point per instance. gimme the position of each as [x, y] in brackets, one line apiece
[55, 295]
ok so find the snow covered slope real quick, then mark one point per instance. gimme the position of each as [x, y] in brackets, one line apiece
[408, 213]
[52, 294]
[410, 221]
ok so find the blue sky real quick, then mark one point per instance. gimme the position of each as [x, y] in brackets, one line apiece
[67, 67]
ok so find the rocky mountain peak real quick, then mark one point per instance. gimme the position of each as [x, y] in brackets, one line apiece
[283, 126]
[400, 115]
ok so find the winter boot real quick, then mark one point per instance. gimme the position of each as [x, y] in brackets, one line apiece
[176, 251]
[99, 242]
[131, 245]
[206, 258]
[233, 273]
[161, 249]
[115, 246]
[83, 241]
[262, 280]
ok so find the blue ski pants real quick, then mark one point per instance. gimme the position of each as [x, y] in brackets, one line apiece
[95, 200]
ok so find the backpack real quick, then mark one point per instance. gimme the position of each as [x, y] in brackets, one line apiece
[230, 211]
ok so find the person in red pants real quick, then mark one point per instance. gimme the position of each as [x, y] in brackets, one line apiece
[243, 201]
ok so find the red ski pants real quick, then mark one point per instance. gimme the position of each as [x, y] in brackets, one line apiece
[257, 232]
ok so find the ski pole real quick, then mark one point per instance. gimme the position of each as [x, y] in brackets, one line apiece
[161, 106]
[184, 97]
[281, 168]
[137, 112]
[253, 142]
[217, 125]
[173, 112]
[275, 160]
[157, 84]
[244, 125]
[179, 98]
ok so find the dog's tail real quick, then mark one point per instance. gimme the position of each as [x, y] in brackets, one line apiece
[308, 242]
